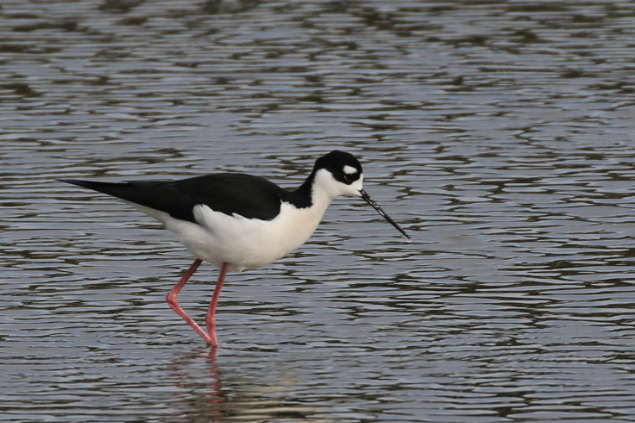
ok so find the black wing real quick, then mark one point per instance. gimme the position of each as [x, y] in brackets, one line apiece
[246, 195]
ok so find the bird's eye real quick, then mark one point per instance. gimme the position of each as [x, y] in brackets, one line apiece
[349, 176]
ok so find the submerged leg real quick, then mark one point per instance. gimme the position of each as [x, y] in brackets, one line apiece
[174, 303]
[210, 320]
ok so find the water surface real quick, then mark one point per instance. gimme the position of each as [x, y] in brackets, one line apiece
[499, 134]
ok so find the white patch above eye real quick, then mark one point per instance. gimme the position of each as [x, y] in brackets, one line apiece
[349, 170]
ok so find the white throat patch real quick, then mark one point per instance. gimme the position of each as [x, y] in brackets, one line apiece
[326, 188]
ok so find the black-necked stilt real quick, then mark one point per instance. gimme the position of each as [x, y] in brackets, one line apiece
[238, 221]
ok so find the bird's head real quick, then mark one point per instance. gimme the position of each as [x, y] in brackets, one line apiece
[340, 173]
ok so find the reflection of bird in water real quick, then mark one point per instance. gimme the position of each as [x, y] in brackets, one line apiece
[238, 221]
[205, 393]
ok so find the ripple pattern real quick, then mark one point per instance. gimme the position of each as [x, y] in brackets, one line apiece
[500, 134]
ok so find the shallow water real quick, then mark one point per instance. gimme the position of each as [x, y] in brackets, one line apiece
[499, 134]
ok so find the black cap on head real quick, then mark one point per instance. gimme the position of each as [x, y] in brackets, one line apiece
[346, 168]
[343, 166]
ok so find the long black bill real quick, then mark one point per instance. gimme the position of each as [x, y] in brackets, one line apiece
[372, 202]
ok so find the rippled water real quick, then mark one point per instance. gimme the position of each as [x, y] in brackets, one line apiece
[500, 134]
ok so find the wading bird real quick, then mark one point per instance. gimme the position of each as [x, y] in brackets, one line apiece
[237, 221]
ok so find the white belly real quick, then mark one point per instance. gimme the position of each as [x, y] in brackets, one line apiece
[243, 243]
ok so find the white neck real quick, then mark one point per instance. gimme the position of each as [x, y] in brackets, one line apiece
[325, 188]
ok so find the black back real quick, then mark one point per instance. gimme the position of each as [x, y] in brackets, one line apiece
[246, 195]
[249, 196]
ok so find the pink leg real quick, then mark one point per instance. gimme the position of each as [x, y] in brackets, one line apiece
[174, 304]
[210, 320]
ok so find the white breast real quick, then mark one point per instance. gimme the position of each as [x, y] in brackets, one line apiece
[248, 243]
[241, 242]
